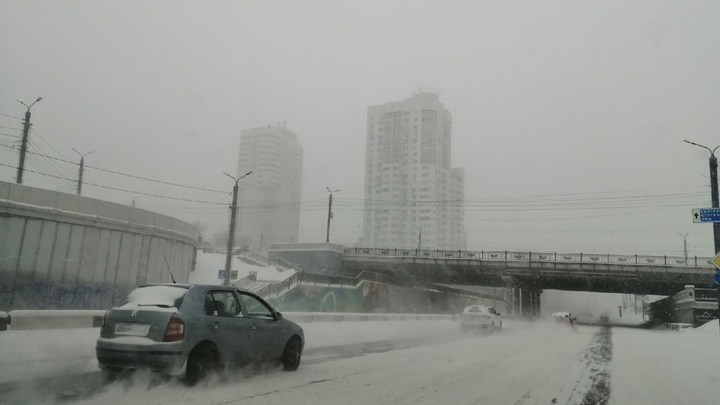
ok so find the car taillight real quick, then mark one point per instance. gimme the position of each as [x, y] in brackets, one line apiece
[175, 330]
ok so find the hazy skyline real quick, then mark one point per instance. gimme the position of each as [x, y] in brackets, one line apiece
[548, 99]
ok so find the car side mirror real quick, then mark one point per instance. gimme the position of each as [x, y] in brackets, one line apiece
[278, 316]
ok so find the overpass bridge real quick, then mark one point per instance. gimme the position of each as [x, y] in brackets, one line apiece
[529, 273]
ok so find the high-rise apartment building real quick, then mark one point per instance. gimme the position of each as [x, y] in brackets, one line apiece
[413, 197]
[269, 199]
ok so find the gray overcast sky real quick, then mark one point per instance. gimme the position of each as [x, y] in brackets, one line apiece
[548, 98]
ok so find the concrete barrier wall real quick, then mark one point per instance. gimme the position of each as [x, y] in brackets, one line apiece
[63, 251]
[323, 258]
[36, 320]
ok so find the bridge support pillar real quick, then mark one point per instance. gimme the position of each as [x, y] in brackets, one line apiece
[528, 300]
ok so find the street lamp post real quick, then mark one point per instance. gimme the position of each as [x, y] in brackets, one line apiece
[684, 236]
[715, 202]
[330, 215]
[713, 191]
[23, 146]
[82, 168]
[231, 235]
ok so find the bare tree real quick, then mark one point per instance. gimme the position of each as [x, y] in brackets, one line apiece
[220, 239]
[200, 228]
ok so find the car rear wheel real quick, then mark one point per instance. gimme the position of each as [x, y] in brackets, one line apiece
[499, 328]
[291, 354]
[201, 362]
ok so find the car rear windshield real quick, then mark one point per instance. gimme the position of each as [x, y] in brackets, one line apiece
[161, 296]
[476, 310]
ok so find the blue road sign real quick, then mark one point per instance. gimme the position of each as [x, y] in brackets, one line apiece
[716, 277]
[701, 215]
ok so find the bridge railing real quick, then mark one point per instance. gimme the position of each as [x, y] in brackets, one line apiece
[507, 255]
[706, 295]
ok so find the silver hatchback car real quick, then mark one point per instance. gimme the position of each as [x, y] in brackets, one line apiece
[194, 329]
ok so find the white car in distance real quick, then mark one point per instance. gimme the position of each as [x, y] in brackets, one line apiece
[480, 317]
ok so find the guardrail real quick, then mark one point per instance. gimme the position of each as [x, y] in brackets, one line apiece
[508, 255]
[71, 319]
[706, 295]
[243, 282]
[54, 319]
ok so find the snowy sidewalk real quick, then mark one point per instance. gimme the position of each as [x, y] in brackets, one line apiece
[657, 367]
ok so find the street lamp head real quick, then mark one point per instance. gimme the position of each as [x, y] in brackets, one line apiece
[712, 151]
[38, 99]
[81, 154]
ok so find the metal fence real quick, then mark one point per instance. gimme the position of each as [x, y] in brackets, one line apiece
[507, 255]
[706, 295]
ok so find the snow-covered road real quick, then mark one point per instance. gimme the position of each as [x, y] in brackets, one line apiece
[420, 363]
[526, 363]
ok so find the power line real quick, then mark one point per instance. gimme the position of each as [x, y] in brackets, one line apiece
[11, 116]
[125, 174]
[12, 136]
[58, 169]
[122, 189]
[17, 129]
[517, 201]
[48, 144]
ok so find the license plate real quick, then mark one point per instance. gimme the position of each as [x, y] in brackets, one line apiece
[132, 329]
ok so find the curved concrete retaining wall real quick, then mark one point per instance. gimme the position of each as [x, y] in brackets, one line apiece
[63, 251]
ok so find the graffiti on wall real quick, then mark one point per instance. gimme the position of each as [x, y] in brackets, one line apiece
[368, 297]
[312, 298]
[44, 295]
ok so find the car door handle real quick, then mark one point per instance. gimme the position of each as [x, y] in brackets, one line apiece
[253, 326]
[217, 324]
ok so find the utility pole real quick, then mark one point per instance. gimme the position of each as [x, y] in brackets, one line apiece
[330, 214]
[419, 238]
[684, 236]
[715, 203]
[23, 146]
[231, 235]
[82, 169]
